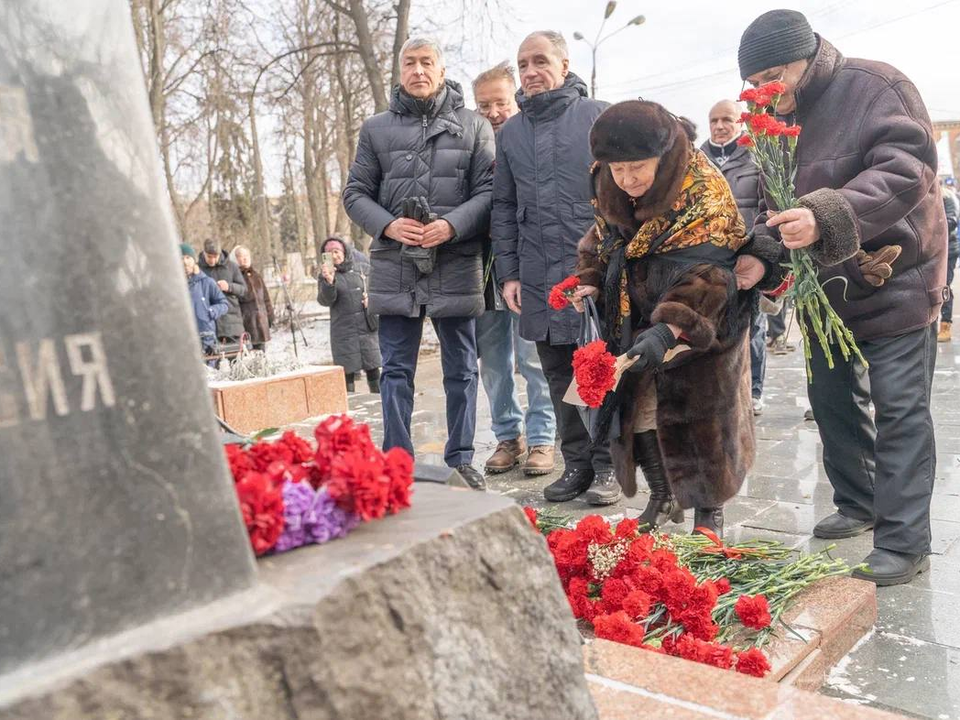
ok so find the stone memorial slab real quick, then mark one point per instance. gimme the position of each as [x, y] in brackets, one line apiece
[115, 504]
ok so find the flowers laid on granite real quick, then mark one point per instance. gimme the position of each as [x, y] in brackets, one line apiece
[561, 294]
[294, 493]
[689, 596]
[777, 159]
[594, 369]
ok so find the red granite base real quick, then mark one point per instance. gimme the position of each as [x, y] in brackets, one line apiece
[252, 405]
[830, 618]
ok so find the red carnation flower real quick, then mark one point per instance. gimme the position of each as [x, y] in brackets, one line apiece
[577, 595]
[772, 88]
[723, 586]
[663, 560]
[264, 454]
[568, 550]
[593, 368]
[261, 505]
[749, 95]
[753, 662]
[627, 528]
[239, 461]
[619, 628]
[613, 593]
[690, 648]
[648, 579]
[745, 140]
[792, 131]
[594, 528]
[339, 434]
[753, 611]
[299, 448]
[531, 516]
[360, 484]
[398, 466]
[637, 604]
[562, 292]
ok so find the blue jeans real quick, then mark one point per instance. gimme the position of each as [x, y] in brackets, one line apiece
[400, 346]
[500, 346]
[758, 354]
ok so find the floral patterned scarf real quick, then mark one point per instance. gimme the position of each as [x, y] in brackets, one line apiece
[704, 212]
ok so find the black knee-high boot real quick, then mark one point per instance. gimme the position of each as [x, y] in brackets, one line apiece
[373, 380]
[350, 378]
[662, 506]
[709, 518]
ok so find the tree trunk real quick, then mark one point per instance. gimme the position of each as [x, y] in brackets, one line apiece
[368, 54]
[399, 38]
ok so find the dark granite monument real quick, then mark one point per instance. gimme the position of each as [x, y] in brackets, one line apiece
[115, 503]
[127, 586]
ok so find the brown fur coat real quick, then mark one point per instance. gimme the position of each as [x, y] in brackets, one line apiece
[704, 409]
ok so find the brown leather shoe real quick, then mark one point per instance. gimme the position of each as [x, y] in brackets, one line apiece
[539, 461]
[507, 455]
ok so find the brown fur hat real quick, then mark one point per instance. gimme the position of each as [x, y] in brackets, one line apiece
[633, 130]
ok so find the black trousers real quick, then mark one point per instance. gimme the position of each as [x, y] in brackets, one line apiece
[579, 452]
[881, 468]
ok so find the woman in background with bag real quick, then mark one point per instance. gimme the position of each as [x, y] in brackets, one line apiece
[660, 264]
[342, 287]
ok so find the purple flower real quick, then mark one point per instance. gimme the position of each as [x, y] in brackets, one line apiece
[298, 499]
[327, 521]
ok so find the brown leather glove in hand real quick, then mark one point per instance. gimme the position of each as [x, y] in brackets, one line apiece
[876, 267]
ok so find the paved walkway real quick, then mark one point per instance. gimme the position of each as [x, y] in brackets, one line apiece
[911, 662]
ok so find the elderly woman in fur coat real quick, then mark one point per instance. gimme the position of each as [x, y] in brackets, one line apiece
[660, 262]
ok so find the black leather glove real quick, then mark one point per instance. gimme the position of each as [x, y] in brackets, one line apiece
[417, 208]
[650, 347]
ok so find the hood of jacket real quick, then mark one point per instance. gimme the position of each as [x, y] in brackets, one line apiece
[551, 104]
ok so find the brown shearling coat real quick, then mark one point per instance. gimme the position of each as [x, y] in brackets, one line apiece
[704, 409]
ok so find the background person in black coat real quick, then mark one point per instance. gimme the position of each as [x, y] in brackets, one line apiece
[342, 287]
[215, 263]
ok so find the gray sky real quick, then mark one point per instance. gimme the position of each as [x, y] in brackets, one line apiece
[685, 55]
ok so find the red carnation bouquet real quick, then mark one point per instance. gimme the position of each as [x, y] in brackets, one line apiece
[777, 159]
[561, 294]
[294, 493]
[594, 369]
[689, 596]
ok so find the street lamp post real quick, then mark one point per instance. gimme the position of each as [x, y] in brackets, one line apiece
[598, 41]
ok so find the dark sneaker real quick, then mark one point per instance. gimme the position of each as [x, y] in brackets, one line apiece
[571, 484]
[887, 567]
[472, 476]
[604, 490]
[838, 526]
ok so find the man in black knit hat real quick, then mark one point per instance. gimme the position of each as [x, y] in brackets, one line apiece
[870, 215]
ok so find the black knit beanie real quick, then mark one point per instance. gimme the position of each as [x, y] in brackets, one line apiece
[633, 130]
[775, 38]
